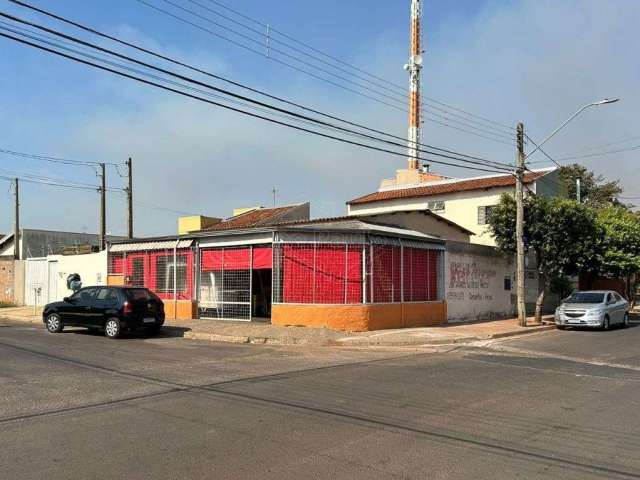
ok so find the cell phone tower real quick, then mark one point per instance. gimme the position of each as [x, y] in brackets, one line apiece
[414, 68]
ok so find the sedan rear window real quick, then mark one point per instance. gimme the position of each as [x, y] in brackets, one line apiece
[138, 294]
[585, 297]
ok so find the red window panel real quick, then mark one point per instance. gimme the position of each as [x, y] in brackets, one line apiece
[211, 260]
[416, 268]
[155, 270]
[116, 264]
[237, 258]
[225, 259]
[330, 274]
[433, 275]
[262, 258]
[298, 273]
[386, 274]
[354, 274]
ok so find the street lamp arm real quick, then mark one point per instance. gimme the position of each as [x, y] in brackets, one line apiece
[601, 102]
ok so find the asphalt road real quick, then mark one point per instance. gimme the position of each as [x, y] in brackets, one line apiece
[554, 405]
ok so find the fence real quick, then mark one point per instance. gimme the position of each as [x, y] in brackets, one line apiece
[347, 273]
[158, 270]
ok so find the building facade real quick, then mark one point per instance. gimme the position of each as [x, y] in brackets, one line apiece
[466, 202]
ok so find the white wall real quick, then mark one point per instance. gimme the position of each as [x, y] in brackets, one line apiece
[460, 208]
[92, 269]
[475, 283]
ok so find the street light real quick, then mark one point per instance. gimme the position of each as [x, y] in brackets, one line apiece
[605, 101]
[520, 168]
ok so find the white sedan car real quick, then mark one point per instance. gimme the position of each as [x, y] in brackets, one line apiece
[596, 308]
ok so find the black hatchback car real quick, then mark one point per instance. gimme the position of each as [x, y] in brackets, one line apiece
[112, 309]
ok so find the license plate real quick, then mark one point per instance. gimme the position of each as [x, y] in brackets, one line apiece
[149, 320]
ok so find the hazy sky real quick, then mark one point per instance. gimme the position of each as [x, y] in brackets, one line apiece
[534, 61]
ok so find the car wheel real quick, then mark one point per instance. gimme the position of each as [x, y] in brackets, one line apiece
[112, 328]
[625, 321]
[54, 323]
[605, 323]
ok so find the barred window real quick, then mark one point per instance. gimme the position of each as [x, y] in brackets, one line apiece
[484, 214]
[165, 271]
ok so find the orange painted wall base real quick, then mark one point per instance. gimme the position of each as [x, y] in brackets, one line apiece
[180, 310]
[360, 318]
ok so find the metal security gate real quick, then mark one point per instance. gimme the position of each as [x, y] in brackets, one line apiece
[36, 281]
[225, 283]
[52, 282]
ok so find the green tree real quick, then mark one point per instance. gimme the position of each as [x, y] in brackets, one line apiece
[564, 236]
[621, 253]
[595, 191]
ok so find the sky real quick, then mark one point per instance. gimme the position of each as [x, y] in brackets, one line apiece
[534, 61]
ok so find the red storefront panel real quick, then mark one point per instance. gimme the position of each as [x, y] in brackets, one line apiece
[227, 259]
[298, 273]
[322, 274]
[262, 258]
[354, 274]
[155, 271]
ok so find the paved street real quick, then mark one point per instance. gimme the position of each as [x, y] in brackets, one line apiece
[550, 405]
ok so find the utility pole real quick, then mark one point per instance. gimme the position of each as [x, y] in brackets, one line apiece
[274, 191]
[130, 199]
[520, 306]
[103, 207]
[578, 193]
[16, 226]
[414, 68]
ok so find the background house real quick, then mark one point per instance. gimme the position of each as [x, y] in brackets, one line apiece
[466, 202]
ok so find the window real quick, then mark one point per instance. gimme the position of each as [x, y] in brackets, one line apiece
[137, 273]
[165, 273]
[484, 214]
[507, 283]
[85, 295]
[107, 296]
[436, 206]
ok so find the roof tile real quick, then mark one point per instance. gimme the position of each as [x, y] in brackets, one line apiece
[450, 187]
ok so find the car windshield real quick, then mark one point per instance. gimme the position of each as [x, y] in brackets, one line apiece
[585, 297]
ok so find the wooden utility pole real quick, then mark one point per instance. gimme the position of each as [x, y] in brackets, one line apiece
[16, 226]
[521, 308]
[130, 199]
[103, 207]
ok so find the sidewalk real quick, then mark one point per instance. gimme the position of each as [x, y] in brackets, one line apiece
[243, 332]
[267, 334]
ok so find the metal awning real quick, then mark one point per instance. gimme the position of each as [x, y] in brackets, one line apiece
[145, 246]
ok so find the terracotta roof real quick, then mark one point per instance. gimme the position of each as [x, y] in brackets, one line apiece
[447, 187]
[252, 218]
[357, 216]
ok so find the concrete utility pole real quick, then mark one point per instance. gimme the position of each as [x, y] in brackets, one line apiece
[16, 226]
[414, 67]
[521, 308]
[103, 207]
[578, 193]
[130, 198]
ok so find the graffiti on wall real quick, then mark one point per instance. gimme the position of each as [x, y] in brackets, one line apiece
[465, 276]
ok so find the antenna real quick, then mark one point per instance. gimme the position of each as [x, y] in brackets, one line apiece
[414, 67]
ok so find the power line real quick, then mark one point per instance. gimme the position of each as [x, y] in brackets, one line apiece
[238, 84]
[342, 62]
[399, 102]
[132, 77]
[598, 147]
[600, 154]
[484, 162]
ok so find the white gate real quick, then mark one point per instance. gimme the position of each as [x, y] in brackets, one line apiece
[36, 281]
[52, 283]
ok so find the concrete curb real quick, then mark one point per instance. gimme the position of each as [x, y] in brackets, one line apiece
[356, 342]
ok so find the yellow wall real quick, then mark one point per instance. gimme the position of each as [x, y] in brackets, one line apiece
[460, 208]
[360, 318]
[180, 310]
[195, 223]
